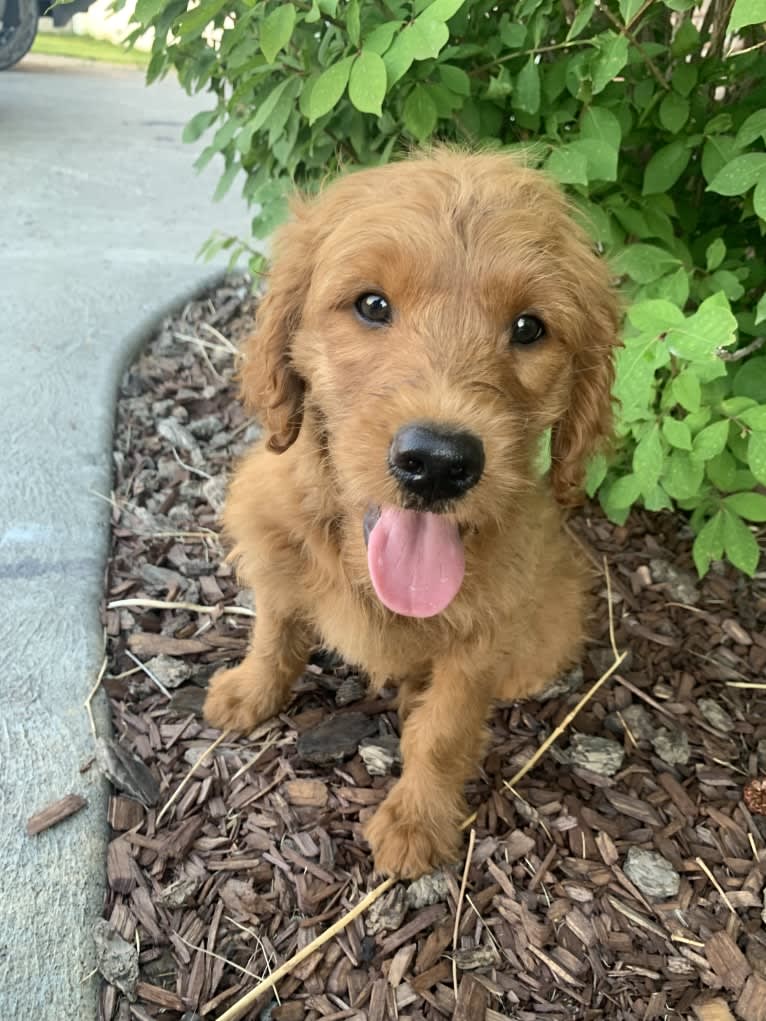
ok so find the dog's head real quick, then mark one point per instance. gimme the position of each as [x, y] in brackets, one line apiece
[431, 318]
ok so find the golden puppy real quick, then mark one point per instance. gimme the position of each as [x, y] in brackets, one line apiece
[425, 322]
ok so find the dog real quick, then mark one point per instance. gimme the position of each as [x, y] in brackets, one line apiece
[425, 323]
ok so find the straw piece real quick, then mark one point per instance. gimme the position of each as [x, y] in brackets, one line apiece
[162, 604]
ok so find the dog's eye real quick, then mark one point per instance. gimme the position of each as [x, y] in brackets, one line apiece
[373, 309]
[527, 329]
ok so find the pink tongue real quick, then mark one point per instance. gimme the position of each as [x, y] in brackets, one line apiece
[416, 561]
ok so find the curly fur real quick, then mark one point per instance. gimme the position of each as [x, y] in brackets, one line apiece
[460, 244]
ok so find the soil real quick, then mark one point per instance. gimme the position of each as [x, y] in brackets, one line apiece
[623, 878]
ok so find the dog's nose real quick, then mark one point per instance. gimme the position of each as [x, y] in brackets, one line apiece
[436, 464]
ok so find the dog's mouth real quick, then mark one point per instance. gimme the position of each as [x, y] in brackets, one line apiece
[415, 559]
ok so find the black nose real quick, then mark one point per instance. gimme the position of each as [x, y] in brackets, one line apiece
[435, 464]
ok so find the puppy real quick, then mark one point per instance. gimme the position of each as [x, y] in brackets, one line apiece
[425, 323]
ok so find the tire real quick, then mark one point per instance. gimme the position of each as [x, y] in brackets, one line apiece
[18, 28]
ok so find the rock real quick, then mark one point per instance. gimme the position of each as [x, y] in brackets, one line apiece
[126, 772]
[652, 874]
[387, 913]
[571, 681]
[188, 700]
[206, 427]
[380, 754]
[169, 671]
[427, 890]
[637, 719]
[681, 585]
[672, 746]
[214, 491]
[352, 689]
[335, 739]
[116, 959]
[598, 754]
[170, 429]
[715, 715]
[179, 893]
[471, 958]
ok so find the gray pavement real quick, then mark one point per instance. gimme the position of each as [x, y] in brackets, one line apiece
[102, 216]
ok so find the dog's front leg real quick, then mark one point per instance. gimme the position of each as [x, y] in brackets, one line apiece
[418, 825]
[244, 696]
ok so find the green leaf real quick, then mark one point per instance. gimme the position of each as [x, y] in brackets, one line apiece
[455, 79]
[568, 166]
[600, 158]
[739, 175]
[647, 459]
[266, 108]
[756, 456]
[753, 127]
[754, 418]
[328, 88]
[747, 12]
[198, 125]
[722, 471]
[665, 167]
[611, 58]
[226, 181]
[595, 474]
[684, 78]
[712, 326]
[427, 36]
[194, 21]
[629, 9]
[442, 10]
[708, 545]
[677, 433]
[687, 390]
[367, 83]
[624, 492]
[759, 196]
[526, 95]
[710, 441]
[419, 113]
[512, 34]
[739, 543]
[581, 19]
[751, 506]
[682, 477]
[750, 380]
[381, 37]
[644, 263]
[277, 30]
[654, 316]
[715, 254]
[674, 112]
[760, 310]
[353, 22]
[602, 125]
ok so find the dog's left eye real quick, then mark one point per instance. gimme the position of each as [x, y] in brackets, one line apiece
[373, 309]
[527, 329]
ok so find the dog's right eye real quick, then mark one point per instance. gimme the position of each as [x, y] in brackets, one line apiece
[373, 309]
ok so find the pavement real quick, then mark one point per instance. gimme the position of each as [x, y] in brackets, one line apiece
[102, 216]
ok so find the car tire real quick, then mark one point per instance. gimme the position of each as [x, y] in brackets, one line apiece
[18, 28]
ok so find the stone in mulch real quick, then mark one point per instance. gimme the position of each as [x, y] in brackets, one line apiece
[262, 850]
[652, 874]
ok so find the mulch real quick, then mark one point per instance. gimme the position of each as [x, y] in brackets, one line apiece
[262, 850]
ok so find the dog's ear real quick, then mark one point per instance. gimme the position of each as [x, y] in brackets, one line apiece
[270, 387]
[587, 422]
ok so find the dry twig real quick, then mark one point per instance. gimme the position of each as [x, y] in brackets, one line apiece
[459, 906]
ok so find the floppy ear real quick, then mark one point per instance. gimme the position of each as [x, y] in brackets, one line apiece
[587, 422]
[270, 387]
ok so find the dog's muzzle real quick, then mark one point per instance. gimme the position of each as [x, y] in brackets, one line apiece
[434, 464]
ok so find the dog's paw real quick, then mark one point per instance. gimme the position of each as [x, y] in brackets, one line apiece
[408, 839]
[236, 702]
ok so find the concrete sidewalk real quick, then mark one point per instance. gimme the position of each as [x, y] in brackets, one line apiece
[102, 218]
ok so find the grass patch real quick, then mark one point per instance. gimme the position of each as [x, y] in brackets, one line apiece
[83, 47]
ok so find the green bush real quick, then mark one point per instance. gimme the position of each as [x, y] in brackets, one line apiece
[652, 114]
